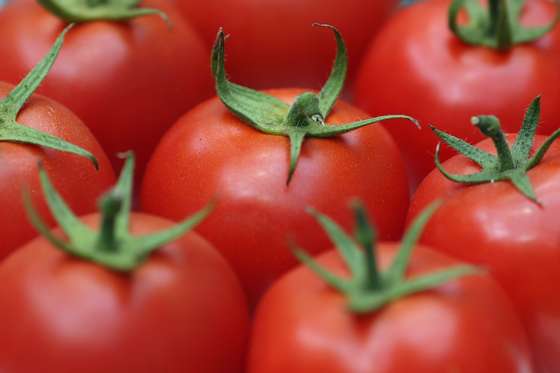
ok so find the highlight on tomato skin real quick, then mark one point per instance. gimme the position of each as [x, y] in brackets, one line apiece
[417, 65]
[118, 291]
[346, 311]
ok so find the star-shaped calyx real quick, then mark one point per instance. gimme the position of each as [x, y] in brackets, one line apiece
[112, 246]
[498, 26]
[10, 106]
[368, 288]
[510, 164]
[304, 118]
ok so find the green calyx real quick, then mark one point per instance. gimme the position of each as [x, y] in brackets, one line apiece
[510, 163]
[498, 26]
[10, 106]
[79, 11]
[369, 289]
[304, 118]
[112, 246]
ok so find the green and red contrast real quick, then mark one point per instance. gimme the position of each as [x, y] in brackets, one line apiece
[501, 212]
[268, 154]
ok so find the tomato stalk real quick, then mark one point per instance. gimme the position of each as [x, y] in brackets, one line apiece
[304, 118]
[78, 11]
[369, 288]
[10, 106]
[499, 27]
[112, 246]
[510, 163]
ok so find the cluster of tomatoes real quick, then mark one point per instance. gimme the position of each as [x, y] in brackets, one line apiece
[309, 253]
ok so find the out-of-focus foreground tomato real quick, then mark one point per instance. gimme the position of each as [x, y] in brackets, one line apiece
[145, 298]
[273, 45]
[418, 66]
[128, 81]
[376, 308]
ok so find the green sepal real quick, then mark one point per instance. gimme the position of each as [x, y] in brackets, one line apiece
[498, 26]
[510, 163]
[304, 118]
[79, 11]
[368, 289]
[10, 106]
[112, 246]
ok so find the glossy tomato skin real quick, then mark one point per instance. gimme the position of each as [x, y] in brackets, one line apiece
[127, 81]
[466, 326]
[210, 153]
[439, 80]
[74, 176]
[495, 226]
[182, 310]
[273, 44]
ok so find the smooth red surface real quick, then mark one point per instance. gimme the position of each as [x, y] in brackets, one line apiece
[209, 153]
[273, 43]
[74, 176]
[182, 310]
[467, 326]
[497, 227]
[416, 66]
[128, 81]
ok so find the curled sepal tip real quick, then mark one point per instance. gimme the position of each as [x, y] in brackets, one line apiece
[498, 26]
[510, 163]
[112, 245]
[79, 11]
[305, 117]
[369, 288]
[10, 106]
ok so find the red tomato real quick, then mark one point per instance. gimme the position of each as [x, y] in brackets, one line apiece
[418, 67]
[128, 81]
[496, 226]
[181, 311]
[210, 153]
[466, 325]
[74, 176]
[272, 43]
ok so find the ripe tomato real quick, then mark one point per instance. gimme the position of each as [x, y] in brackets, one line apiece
[495, 225]
[436, 78]
[181, 311]
[76, 178]
[465, 324]
[273, 44]
[128, 81]
[119, 292]
[209, 152]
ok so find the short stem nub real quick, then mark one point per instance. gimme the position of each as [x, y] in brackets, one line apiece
[489, 125]
[304, 111]
[110, 206]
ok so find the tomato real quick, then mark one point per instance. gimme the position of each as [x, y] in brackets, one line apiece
[244, 151]
[182, 310]
[209, 152]
[138, 294]
[495, 225]
[128, 81]
[77, 179]
[273, 44]
[466, 324]
[435, 77]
